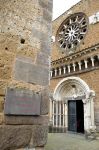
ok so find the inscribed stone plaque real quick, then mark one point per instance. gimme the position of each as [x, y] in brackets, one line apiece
[22, 102]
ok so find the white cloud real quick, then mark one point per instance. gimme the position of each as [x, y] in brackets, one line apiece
[60, 6]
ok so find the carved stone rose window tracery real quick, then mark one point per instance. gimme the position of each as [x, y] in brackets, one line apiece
[72, 31]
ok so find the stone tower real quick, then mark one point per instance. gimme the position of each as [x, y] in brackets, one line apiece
[25, 32]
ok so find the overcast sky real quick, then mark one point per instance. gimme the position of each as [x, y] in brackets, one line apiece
[60, 6]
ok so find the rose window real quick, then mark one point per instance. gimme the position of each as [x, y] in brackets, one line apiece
[72, 31]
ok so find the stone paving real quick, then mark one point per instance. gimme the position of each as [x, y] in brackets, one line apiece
[65, 141]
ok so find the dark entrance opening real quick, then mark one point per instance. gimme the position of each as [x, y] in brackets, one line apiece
[76, 116]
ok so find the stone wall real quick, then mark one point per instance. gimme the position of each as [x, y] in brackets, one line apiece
[25, 46]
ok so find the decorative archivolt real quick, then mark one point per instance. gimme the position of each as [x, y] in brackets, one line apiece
[72, 88]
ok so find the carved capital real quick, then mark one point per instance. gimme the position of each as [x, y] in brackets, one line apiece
[85, 101]
[92, 94]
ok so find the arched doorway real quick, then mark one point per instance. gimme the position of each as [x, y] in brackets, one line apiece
[76, 96]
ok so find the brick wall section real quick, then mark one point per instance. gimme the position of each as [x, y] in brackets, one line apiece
[25, 46]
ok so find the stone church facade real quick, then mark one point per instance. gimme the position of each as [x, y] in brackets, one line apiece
[74, 98]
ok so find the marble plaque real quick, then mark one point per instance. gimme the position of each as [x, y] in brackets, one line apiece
[22, 102]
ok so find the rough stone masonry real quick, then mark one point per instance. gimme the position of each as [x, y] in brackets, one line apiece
[25, 45]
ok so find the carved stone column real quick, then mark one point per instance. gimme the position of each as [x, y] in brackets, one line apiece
[60, 71]
[87, 115]
[56, 114]
[53, 112]
[89, 123]
[60, 114]
[64, 68]
[55, 72]
[92, 61]
[68, 68]
[86, 64]
[92, 96]
[63, 114]
[74, 67]
[79, 63]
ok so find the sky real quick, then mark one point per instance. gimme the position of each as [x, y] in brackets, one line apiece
[60, 6]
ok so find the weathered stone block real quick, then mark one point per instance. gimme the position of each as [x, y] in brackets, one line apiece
[47, 15]
[5, 72]
[13, 137]
[6, 58]
[43, 4]
[39, 148]
[27, 52]
[43, 59]
[21, 70]
[46, 4]
[3, 85]
[1, 105]
[39, 135]
[1, 118]
[45, 102]
[8, 43]
[50, 6]
[36, 148]
[31, 73]
[40, 35]
[2, 91]
[45, 47]
[23, 120]
[39, 75]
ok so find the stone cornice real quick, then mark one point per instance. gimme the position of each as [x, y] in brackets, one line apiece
[75, 55]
